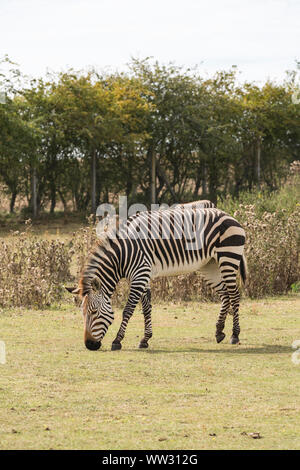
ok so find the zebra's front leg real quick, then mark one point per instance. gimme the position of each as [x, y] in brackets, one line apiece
[147, 307]
[136, 290]
[127, 313]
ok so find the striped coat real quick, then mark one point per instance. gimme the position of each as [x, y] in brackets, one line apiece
[184, 239]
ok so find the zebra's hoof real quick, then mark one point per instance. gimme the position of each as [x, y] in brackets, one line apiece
[116, 346]
[234, 340]
[220, 337]
[143, 345]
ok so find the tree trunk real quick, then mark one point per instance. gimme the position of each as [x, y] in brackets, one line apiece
[197, 183]
[63, 200]
[258, 163]
[153, 177]
[98, 187]
[53, 197]
[12, 201]
[93, 172]
[213, 182]
[34, 192]
[166, 181]
[204, 186]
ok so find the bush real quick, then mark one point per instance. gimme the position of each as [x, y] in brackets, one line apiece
[272, 250]
[287, 197]
[82, 244]
[32, 270]
[172, 289]
[271, 222]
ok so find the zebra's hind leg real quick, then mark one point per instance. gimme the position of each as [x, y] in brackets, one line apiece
[147, 307]
[235, 303]
[234, 296]
[222, 291]
[212, 276]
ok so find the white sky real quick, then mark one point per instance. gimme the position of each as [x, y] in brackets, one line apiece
[261, 37]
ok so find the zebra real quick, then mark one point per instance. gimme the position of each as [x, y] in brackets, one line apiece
[145, 247]
[111, 221]
[203, 203]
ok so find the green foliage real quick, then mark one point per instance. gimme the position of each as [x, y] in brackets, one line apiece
[295, 287]
[82, 138]
[286, 198]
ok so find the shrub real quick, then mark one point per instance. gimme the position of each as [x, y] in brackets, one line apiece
[32, 270]
[172, 289]
[272, 250]
[287, 197]
[271, 222]
[82, 244]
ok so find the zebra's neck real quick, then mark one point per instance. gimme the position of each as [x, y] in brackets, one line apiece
[104, 266]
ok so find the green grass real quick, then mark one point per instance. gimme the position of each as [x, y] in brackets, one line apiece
[184, 392]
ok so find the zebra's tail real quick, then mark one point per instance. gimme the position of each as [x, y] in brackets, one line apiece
[243, 269]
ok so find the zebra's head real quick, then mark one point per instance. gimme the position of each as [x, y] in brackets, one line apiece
[97, 313]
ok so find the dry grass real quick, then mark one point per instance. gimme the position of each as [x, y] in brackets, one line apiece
[33, 269]
[272, 250]
[185, 392]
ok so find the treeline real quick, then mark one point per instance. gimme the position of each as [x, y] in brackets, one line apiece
[156, 133]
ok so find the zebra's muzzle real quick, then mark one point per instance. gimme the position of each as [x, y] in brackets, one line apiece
[92, 345]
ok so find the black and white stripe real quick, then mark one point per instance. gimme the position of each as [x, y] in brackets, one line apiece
[204, 204]
[184, 239]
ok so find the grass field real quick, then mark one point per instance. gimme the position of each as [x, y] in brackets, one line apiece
[184, 392]
[47, 225]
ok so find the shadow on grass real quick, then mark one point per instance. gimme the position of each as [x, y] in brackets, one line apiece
[236, 350]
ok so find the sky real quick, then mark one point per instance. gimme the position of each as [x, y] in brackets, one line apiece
[260, 37]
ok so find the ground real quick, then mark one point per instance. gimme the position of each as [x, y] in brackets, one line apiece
[184, 392]
[47, 225]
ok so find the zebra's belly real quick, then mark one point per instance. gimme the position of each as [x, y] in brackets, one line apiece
[174, 270]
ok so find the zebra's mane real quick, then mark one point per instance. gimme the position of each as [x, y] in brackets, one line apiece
[90, 274]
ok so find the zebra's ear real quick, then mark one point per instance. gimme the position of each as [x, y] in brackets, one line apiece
[73, 290]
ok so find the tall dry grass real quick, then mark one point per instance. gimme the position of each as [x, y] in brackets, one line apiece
[272, 250]
[32, 270]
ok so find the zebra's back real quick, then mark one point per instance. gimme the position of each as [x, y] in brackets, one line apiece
[184, 239]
